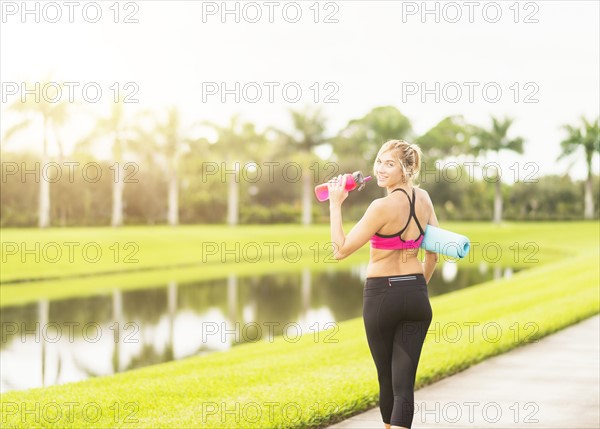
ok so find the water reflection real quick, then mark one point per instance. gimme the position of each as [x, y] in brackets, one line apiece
[449, 271]
[54, 342]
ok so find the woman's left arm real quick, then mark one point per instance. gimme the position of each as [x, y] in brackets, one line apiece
[369, 224]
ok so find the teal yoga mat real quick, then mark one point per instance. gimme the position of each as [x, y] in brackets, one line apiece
[446, 242]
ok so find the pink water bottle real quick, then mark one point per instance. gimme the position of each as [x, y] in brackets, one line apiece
[353, 181]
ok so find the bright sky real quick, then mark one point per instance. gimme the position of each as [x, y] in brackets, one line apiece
[377, 53]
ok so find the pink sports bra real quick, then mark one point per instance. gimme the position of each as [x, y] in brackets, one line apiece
[393, 241]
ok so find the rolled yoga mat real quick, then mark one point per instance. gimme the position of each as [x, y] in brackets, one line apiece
[446, 242]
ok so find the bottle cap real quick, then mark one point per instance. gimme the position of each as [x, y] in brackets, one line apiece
[361, 180]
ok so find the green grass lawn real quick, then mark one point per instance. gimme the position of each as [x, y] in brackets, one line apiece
[317, 381]
[55, 252]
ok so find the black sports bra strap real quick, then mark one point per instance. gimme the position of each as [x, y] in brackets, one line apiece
[412, 205]
[400, 189]
[412, 209]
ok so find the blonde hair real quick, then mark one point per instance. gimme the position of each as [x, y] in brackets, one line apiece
[408, 155]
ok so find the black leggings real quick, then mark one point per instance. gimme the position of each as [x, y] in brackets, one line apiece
[397, 315]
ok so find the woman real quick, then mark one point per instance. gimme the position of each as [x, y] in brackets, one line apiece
[396, 308]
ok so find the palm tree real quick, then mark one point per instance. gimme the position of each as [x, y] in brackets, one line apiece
[308, 133]
[237, 142]
[495, 140]
[587, 137]
[53, 115]
[169, 140]
[119, 130]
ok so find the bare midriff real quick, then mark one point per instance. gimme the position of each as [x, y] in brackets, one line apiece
[394, 262]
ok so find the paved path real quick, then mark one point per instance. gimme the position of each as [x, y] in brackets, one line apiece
[554, 383]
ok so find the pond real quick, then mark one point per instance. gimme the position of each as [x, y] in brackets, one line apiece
[55, 342]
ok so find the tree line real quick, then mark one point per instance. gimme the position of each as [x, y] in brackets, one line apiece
[159, 172]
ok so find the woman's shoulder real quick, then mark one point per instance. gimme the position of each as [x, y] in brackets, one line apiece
[419, 189]
[379, 203]
[423, 195]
